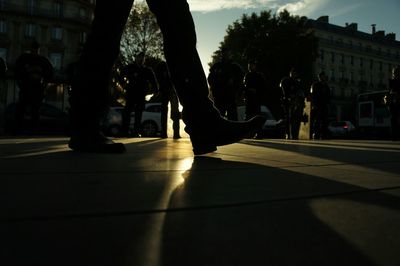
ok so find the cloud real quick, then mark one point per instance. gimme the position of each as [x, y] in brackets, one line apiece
[214, 5]
[302, 7]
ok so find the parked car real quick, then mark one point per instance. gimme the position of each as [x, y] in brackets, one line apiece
[151, 120]
[272, 127]
[341, 128]
[52, 120]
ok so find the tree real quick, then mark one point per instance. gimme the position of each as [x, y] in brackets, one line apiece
[141, 34]
[278, 42]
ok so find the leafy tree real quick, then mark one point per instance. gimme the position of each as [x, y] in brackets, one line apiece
[141, 34]
[278, 42]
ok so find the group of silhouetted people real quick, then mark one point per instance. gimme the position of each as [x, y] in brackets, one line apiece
[209, 123]
[140, 81]
[229, 84]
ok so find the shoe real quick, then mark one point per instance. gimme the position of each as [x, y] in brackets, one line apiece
[135, 135]
[176, 136]
[223, 133]
[258, 136]
[97, 143]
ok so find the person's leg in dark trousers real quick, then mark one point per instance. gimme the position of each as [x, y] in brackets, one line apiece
[395, 123]
[164, 115]
[177, 26]
[137, 126]
[232, 113]
[203, 122]
[90, 91]
[126, 118]
[175, 115]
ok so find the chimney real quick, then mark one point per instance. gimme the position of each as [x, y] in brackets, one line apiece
[373, 28]
[323, 19]
[380, 33]
[352, 26]
[391, 36]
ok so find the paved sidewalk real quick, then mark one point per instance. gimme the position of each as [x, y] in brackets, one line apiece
[268, 202]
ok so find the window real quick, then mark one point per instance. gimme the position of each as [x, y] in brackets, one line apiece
[56, 33]
[351, 44]
[83, 13]
[342, 75]
[322, 55]
[2, 4]
[30, 30]
[56, 60]
[31, 4]
[58, 9]
[83, 37]
[3, 26]
[332, 74]
[3, 53]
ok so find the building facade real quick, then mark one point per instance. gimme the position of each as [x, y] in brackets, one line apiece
[356, 62]
[60, 27]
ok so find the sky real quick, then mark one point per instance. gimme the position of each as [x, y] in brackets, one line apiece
[212, 17]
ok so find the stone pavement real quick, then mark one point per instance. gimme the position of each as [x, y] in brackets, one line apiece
[267, 202]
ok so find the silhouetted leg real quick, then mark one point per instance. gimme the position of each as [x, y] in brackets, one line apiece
[203, 122]
[175, 115]
[220, 106]
[185, 67]
[232, 113]
[126, 118]
[137, 126]
[395, 123]
[35, 116]
[164, 117]
[89, 96]
[19, 117]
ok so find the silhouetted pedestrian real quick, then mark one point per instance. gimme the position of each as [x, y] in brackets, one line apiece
[254, 91]
[168, 95]
[33, 72]
[225, 81]
[293, 103]
[394, 102]
[140, 81]
[320, 99]
[204, 124]
[3, 68]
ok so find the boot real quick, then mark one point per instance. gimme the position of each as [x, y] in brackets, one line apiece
[223, 132]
